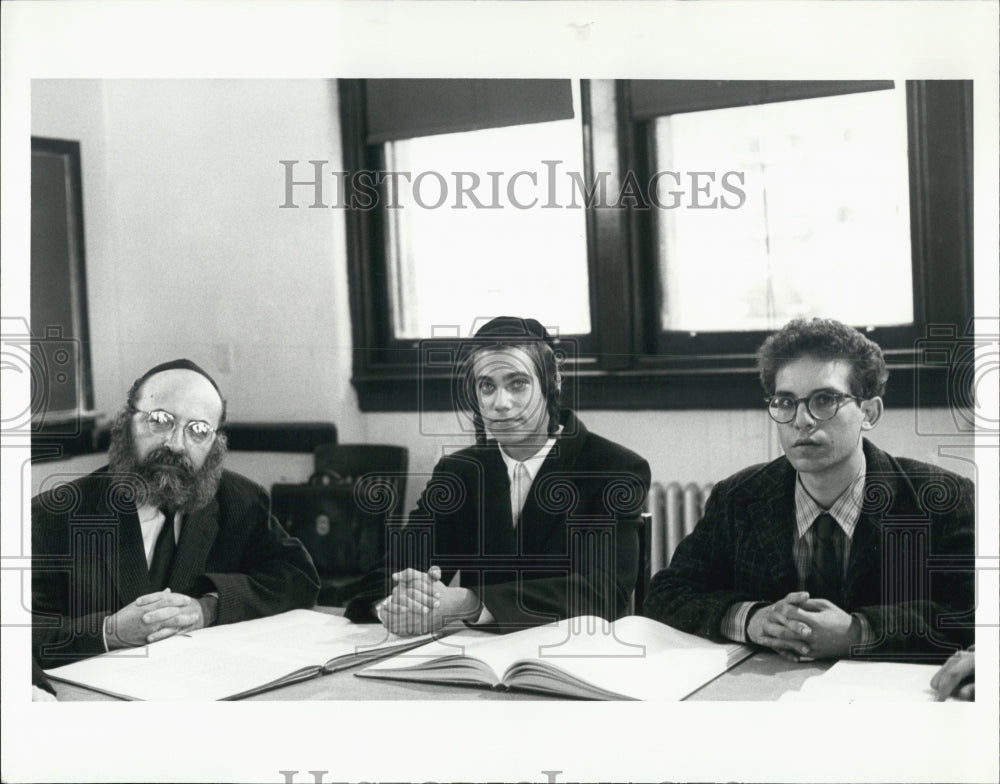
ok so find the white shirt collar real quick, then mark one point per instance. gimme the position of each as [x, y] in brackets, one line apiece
[533, 463]
[148, 513]
[151, 521]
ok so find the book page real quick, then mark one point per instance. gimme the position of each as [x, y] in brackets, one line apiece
[497, 651]
[316, 638]
[221, 661]
[180, 668]
[635, 657]
[863, 681]
[464, 644]
[638, 658]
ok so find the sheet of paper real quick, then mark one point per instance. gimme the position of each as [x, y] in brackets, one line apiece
[862, 681]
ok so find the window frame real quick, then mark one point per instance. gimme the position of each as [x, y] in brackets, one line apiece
[626, 362]
[62, 431]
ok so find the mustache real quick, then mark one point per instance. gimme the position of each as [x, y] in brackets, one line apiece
[164, 458]
[169, 477]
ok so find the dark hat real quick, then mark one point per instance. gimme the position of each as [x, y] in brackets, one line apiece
[513, 328]
[177, 364]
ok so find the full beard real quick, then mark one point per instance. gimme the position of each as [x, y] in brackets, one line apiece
[165, 478]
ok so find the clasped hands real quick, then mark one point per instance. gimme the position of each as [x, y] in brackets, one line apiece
[799, 628]
[421, 603]
[154, 617]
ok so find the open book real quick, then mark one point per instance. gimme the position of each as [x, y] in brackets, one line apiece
[236, 660]
[634, 658]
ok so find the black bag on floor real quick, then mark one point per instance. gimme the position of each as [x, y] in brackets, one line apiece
[343, 539]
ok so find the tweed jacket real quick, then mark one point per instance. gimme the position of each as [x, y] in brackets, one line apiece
[89, 562]
[573, 552]
[910, 570]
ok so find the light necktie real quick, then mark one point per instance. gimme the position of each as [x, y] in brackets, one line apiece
[163, 553]
[519, 491]
[825, 580]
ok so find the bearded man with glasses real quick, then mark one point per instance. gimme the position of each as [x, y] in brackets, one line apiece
[163, 540]
[836, 549]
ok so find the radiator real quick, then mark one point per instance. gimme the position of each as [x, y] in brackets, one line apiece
[674, 510]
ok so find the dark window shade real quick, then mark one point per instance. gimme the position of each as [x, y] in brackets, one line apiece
[656, 97]
[405, 108]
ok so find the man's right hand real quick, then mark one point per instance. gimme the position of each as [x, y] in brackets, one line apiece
[772, 627]
[136, 624]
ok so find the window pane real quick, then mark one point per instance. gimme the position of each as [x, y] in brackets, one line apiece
[486, 252]
[825, 226]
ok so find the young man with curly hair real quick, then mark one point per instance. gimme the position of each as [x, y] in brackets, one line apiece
[836, 549]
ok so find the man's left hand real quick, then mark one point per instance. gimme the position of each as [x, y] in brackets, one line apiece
[834, 631]
[170, 613]
[956, 677]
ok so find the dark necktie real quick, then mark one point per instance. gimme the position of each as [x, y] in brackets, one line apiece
[824, 580]
[163, 553]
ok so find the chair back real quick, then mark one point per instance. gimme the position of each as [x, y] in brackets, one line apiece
[643, 575]
[372, 468]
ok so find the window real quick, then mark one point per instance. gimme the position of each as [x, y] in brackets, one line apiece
[843, 199]
[456, 221]
[819, 190]
[57, 346]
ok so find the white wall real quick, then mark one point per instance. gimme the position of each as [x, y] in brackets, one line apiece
[188, 254]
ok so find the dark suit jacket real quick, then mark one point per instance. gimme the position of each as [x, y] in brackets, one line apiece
[88, 561]
[910, 571]
[574, 551]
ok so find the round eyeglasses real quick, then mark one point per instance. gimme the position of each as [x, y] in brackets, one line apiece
[161, 422]
[821, 405]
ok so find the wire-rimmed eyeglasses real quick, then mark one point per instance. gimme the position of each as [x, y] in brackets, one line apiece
[161, 422]
[821, 405]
